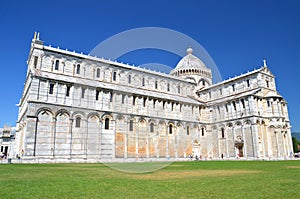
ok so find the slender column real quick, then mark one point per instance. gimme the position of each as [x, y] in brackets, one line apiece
[263, 139]
[176, 141]
[136, 140]
[270, 151]
[100, 140]
[71, 136]
[147, 141]
[125, 141]
[254, 141]
[219, 150]
[290, 143]
[157, 140]
[277, 144]
[114, 137]
[233, 133]
[167, 141]
[56, 85]
[54, 136]
[35, 135]
[226, 143]
[86, 137]
[245, 143]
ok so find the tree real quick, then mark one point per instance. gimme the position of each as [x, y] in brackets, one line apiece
[295, 144]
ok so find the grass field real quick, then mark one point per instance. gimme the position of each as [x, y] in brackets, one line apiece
[203, 179]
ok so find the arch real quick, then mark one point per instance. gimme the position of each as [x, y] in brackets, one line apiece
[162, 122]
[142, 120]
[106, 115]
[247, 122]
[238, 123]
[191, 78]
[62, 111]
[179, 124]
[120, 117]
[78, 113]
[93, 114]
[194, 125]
[44, 109]
[229, 125]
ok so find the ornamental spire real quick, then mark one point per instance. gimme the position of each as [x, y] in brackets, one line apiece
[189, 50]
[265, 62]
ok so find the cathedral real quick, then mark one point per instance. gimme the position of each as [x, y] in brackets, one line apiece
[77, 107]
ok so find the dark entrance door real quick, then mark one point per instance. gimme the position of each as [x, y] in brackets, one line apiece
[240, 148]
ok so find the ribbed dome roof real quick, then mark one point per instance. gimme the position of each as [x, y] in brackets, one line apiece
[190, 62]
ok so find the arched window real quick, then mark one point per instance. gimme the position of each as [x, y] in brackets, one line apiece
[97, 94]
[78, 122]
[130, 125]
[155, 84]
[106, 123]
[56, 65]
[129, 79]
[248, 83]
[202, 131]
[35, 61]
[98, 73]
[82, 92]
[78, 69]
[170, 128]
[114, 76]
[51, 88]
[222, 133]
[188, 130]
[151, 127]
[143, 81]
[168, 87]
[234, 105]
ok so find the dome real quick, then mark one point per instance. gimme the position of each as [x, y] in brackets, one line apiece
[190, 62]
[192, 68]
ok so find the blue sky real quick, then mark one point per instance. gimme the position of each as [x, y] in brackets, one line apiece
[238, 35]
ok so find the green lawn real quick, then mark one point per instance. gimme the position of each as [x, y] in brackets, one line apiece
[203, 179]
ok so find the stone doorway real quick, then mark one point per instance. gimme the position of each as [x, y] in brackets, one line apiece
[239, 150]
[239, 146]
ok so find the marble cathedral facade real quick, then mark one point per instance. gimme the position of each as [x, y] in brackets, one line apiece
[79, 107]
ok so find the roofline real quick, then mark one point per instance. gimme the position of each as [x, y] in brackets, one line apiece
[110, 62]
[233, 79]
